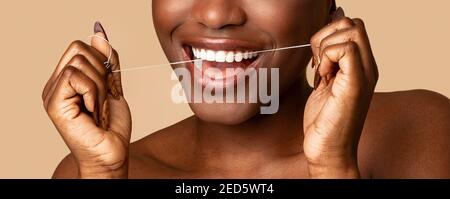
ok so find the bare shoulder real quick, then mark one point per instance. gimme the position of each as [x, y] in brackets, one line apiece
[67, 168]
[407, 135]
[160, 154]
[164, 140]
[151, 157]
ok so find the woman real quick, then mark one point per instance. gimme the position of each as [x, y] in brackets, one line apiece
[338, 129]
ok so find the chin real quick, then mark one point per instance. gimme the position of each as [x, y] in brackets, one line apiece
[225, 114]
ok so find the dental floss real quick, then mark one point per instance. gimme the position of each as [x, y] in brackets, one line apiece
[107, 63]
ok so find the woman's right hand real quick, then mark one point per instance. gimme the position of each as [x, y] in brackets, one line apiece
[85, 102]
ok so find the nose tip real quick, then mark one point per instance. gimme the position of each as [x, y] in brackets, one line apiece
[217, 14]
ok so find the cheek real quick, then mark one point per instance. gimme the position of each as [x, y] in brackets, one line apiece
[290, 22]
[168, 14]
[292, 66]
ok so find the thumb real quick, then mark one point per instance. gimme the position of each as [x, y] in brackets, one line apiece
[100, 42]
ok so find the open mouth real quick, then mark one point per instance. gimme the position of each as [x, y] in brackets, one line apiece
[217, 64]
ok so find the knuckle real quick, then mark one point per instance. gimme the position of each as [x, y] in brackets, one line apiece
[329, 50]
[358, 31]
[314, 40]
[326, 50]
[92, 88]
[324, 44]
[351, 47]
[87, 82]
[359, 22]
[345, 22]
[77, 59]
[69, 71]
[80, 62]
[77, 45]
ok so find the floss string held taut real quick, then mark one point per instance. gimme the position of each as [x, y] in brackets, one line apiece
[108, 62]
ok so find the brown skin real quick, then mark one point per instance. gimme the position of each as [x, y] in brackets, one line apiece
[340, 130]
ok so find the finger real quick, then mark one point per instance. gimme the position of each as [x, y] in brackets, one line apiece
[95, 57]
[73, 83]
[343, 23]
[83, 65]
[344, 58]
[367, 57]
[74, 93]
[51, 89]
[76, 48]
[101, 43]
[355, 34]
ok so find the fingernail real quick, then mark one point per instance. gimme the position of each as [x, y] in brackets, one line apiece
[99, 28]
[339, 13]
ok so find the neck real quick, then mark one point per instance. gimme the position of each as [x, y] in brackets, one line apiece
[262, 137]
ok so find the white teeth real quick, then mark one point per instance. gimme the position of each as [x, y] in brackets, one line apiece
[246, 55]
[230, 57]
[202, 54]
[198, 53]
[195, 52]
[222, 56]
[210, 55]
[238, 57]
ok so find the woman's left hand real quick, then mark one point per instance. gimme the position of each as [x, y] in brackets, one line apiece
[346, 76]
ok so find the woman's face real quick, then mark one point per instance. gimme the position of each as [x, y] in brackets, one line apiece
[228, 31]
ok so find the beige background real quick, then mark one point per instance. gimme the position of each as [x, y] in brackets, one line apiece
[410, 39]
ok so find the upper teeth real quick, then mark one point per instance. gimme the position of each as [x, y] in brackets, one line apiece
[222, 56]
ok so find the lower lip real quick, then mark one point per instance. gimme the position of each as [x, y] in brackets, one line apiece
[226, 79]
